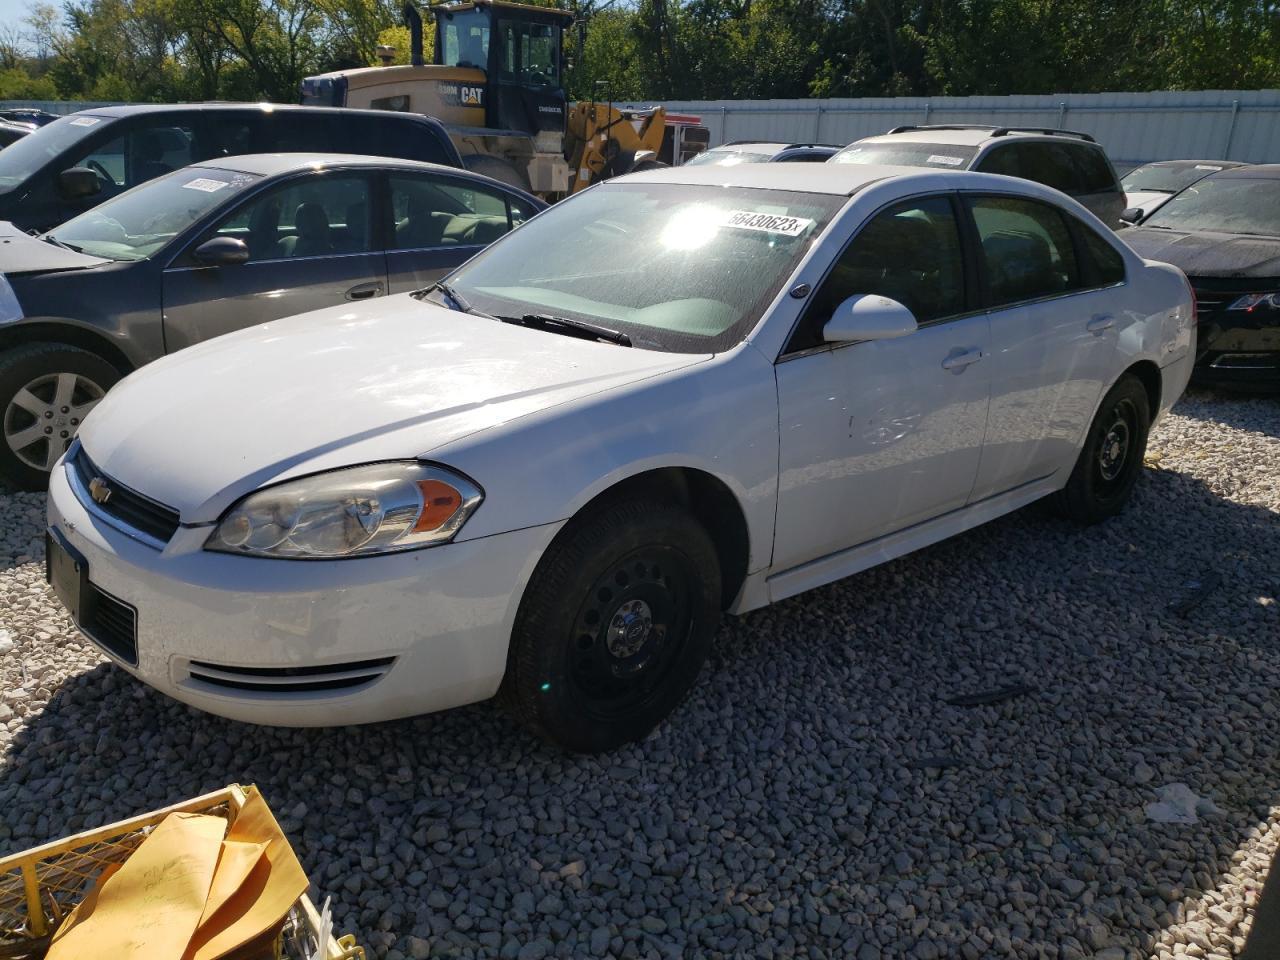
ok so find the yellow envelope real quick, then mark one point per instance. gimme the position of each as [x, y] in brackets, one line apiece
[148, 908]
[268, 885]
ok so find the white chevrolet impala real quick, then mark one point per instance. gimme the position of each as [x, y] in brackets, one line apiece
[676, 394]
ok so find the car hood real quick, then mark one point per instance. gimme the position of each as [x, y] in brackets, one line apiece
[1208, 254]
[22, 253]
[394, 378]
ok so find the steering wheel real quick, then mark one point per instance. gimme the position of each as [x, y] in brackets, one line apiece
[100, 170]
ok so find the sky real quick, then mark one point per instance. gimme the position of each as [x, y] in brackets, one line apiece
[12, 11]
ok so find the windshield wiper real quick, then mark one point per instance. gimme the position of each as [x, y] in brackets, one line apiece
[50, 238]
[570, 327]
[459, 302]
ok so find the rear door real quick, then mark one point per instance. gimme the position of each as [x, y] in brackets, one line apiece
[438, 222]
[311, 245]
[1053, 338]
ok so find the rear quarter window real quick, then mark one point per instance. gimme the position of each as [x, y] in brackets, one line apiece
[1093, 169]
[1102, 262]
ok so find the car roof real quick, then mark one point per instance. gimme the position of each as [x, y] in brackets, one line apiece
[1183, 164]
[975, 135]
[273, 164]
[836, 179]
[1250, 171]
[740, 145]
[135, 109]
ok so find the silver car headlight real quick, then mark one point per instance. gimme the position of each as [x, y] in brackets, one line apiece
[352, 512]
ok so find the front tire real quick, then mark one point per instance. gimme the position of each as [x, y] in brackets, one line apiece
[1114, 450]
[614, 626]
[46, 390]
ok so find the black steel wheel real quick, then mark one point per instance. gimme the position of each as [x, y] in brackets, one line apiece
[1111, 460]
[614, 626]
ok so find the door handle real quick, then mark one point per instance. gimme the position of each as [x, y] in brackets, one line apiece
[1103, 321]
[363, 291]
[958, 361]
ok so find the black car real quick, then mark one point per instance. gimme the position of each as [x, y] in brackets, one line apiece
[1224, 234]
[32, 115]
[762, 151]
[61, 170]
[11, 133]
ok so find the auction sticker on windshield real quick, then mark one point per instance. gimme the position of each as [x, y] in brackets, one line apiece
[945, 160]
[767, 222]
[205, 185]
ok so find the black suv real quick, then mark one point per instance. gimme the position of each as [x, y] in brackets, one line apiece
[76, 162]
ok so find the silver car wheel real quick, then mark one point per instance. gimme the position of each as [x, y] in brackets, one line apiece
[42, 418]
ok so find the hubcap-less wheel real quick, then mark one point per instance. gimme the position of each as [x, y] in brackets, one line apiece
[630, 631]
[1115, 444]
[43, 417]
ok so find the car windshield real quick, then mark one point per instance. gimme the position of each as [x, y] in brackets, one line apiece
[727, 158]
[1225, 205]
[1158, 179]
[676, 267]
[899, 153]
[139, 222]
[32, 152]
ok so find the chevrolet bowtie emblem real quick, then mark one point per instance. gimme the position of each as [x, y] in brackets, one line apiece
[99, 490]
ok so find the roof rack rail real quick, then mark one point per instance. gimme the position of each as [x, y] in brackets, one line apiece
[945, 126]
[837, 146]
[996, 131]
[1049, 131]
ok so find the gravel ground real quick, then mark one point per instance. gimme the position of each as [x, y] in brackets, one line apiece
[817, 795]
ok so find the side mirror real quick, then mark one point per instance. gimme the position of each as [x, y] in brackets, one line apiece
[869, 317]
[76, 183]
[221, 252]
[1131, 215]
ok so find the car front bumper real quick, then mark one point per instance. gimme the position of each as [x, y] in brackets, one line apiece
[304, 643]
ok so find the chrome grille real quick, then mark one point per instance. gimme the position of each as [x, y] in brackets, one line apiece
[132, 510]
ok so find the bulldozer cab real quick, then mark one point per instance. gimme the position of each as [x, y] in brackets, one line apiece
[519, 49]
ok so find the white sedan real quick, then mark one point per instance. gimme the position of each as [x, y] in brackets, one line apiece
[679, 393]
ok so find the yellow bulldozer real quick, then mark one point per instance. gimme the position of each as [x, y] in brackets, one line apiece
[497, 85]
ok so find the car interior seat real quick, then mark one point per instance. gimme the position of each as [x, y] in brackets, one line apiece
[423, 227]
[312, 237]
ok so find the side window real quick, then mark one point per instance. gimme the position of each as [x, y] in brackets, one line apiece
[1094, 171]
[288, 131]
[909, 252]
[227, 134]
[439, 212]
[1006, 161]
[141, 154]
[1026, 248]
[410, 140]
[318, 215]
[1107, 264]
[1050, 164]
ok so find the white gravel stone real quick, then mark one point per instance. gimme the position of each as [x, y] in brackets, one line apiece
[816, 796]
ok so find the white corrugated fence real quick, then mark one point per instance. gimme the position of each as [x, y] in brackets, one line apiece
[1134, 127]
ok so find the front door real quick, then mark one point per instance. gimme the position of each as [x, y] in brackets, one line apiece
[311, 245]
[878, 436]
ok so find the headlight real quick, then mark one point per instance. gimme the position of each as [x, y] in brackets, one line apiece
[357, 511]
[1251, 300]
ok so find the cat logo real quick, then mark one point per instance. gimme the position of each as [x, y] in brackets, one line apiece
[471, 96]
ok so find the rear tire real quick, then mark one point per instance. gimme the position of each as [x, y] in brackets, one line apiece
[46, 389]
[1112, 457]
[497, 169]
[614, 626]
